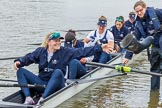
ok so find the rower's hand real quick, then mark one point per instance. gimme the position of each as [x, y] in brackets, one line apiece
[117, 48]
[125, 61]
[152, 31]
[106, 48]
[83, 60]
[16, 65]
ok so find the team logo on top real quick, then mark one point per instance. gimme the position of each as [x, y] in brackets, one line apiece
[121, 35]
[54, 61]
[150, 22]
[129, 28]
[92, 38]
[143, 23]
[104, 40]
[68, 42]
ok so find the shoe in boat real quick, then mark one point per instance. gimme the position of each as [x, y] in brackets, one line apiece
[39, 102]
[29, 101]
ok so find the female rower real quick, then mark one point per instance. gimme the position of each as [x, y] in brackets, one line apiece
[52, 59]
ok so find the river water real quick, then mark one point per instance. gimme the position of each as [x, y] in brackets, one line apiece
[24, 22]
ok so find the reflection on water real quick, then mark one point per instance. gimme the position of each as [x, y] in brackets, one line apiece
[131, 91]
[24, 22]
[154, 100]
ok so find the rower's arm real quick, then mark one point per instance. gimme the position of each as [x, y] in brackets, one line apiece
[111, 44]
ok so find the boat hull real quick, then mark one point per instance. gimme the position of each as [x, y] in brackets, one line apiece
[65, 93]
[73, 89]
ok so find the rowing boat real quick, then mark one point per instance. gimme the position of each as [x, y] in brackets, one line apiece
[15, 100]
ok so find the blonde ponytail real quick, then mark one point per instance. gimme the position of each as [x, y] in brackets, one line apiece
[45, 40]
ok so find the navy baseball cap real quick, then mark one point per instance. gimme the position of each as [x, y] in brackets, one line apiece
[132, 15]
[102, 22]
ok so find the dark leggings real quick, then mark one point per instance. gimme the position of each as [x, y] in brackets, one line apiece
[156, 66]
[76, 69]
[160, 41]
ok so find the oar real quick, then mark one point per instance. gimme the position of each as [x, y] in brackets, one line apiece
[61, 42]
[76, 30]
[80, 81]
[8, 58]
[66, 31]
[23, 85]
[41, 43]
[124, 69]
[35, 44]
[8, 80]
[148, 53]
[4, 104]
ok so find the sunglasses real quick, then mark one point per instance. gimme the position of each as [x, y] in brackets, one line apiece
[119, 19]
